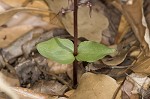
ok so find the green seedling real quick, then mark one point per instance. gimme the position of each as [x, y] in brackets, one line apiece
[61, 50]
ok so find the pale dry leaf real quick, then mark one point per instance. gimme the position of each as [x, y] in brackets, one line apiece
[62, 98]
[25, 93]
[46, 16]
[5, 87]
[95, 86]
[127, 88]
[69, 93]
[139, 81]
[4, 6]
[8, 77]
[24, 18]
[41, 5]
[90, 26]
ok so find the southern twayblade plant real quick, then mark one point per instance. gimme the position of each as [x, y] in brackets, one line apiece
[64, 51]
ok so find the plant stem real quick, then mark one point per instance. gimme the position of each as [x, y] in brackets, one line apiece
[75, 63]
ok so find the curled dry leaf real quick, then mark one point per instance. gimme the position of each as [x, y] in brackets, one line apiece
[89, 26]
[95, 86]
[118, 59]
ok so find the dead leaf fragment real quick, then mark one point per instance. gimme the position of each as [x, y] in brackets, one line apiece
[95, 86]
[14, 3]
[49, 87]
[123, 28]
[57, 68]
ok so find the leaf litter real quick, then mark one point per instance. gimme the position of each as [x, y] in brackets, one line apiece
[26, 23]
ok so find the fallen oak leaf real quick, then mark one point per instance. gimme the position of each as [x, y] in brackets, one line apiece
[89, 27]
[95, 86]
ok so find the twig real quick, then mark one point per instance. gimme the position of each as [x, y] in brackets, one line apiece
[118, 89]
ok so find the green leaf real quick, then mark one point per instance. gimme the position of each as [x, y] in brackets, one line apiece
[91, 51]
[59, 50]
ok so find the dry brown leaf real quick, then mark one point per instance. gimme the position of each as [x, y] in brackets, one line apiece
[95, 86]
[142, 65]
[147, 35]
[5, 16]
[134, 15]
[90, 27]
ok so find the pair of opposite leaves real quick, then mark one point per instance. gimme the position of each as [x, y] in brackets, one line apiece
[61, 50]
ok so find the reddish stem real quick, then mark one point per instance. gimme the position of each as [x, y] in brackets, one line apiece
[75, 63]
